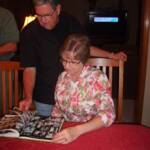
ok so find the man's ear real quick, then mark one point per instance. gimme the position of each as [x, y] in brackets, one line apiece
[58, 9]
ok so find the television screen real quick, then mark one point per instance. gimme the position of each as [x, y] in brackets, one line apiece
[106, 19]
[107, 24]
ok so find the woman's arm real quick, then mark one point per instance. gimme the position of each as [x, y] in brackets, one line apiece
[56, 112]
[69, 134]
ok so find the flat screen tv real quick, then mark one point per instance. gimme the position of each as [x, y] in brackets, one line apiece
[107, 24]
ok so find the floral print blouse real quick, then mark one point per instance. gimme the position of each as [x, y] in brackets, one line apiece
[84, 99]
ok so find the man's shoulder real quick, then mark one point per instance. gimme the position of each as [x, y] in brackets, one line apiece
[31, 27]
[66, 17]
[5, 13]
[72, 23]
[4, 10]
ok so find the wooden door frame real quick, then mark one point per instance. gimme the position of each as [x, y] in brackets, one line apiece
[143, 53]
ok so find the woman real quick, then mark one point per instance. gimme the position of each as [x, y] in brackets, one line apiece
[82, 92]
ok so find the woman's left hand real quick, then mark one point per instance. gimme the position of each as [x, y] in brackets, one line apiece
[66, 135]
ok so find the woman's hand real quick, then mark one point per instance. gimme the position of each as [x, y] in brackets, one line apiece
[66, 136]
[70, 134]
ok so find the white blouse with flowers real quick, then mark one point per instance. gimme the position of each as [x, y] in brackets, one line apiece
[84, 99]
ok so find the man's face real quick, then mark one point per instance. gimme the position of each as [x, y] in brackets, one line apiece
[47, 16]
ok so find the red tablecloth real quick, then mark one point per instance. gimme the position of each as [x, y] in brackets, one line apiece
[115, 137]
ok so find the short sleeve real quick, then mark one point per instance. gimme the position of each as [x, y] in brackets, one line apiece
[28, 55]
[10, 32]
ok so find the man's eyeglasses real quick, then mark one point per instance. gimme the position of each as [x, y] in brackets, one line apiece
[69, 62]
[46, 15]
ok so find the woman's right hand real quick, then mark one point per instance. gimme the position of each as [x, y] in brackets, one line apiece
[66, 135]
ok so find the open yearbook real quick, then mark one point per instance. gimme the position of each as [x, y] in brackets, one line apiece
[29, 125]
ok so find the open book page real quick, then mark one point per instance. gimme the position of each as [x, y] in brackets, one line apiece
[41, 128]
[9, 120]
[29, 125]
[9, 133]
[13, 122]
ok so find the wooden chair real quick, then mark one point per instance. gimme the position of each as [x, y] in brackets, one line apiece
[108, 66]
[9, 85]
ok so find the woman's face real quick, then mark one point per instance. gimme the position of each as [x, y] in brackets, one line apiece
[70, 64]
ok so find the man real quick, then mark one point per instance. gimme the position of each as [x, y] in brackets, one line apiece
[39, 44]
[9, 34]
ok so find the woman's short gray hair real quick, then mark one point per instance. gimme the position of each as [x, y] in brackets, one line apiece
[79, 44]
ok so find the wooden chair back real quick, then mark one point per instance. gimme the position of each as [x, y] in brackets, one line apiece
[108, 66]
[9, 85]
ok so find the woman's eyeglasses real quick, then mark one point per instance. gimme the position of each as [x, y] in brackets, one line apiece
[69, 62]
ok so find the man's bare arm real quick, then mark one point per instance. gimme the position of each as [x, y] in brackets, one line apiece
[95, 51]
[7, 48]
[29, 81]
[29, 76]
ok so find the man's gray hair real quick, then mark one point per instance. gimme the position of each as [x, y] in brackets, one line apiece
[53, 3]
